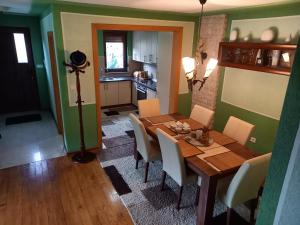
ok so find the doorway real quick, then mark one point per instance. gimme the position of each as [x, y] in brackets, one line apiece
[177, 33]
[18, 85]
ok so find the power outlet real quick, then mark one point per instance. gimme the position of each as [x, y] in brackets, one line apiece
[253, 139]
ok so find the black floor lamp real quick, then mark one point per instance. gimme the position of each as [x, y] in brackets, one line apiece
[78, 64]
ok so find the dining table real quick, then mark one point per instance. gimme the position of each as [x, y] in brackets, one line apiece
[220, 159]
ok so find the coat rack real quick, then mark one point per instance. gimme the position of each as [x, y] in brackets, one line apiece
[77, 65]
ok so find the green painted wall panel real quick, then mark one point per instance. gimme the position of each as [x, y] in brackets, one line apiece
[34, 26]
[184, 103]
[288, 127]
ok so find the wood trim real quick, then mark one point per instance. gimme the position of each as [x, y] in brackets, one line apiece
[97, 85]
[175, 67]
[55, 82]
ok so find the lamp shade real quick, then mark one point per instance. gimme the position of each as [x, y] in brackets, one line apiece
[211, 65]
[189, 67]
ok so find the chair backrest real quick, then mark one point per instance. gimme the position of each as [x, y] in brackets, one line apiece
[202, 115]
[149, 107]
[238, 129]
[173, 162]
[247, 181]
[142, 140]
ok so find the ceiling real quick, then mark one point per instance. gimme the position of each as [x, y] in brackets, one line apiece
[182, 6]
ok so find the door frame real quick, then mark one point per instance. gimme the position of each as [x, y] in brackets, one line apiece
[59, 122]
[175, 66]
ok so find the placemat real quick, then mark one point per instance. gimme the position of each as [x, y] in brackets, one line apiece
[220, 138]
[226, 160]
[193, 124]
[205, 149]
[211, 153]
[188, 150]
[159, 119]
[162, 127]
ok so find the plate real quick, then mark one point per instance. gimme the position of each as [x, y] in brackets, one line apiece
[267, 36]
[233, 35]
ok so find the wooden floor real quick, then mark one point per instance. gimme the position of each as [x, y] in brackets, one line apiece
[57, 191]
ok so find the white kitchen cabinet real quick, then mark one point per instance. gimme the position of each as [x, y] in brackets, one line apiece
[145, 46]
[136, 46]
[109, 93]
[103, 94]
[124, 92]
[134, 94]
[151, 93]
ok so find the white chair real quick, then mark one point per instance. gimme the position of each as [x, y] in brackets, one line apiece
[202, 115]
[173, 163]
[238, 129]
[149, 150]
[149, 107]
[245, 185]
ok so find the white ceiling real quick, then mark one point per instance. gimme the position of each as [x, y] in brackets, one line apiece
[183, 6]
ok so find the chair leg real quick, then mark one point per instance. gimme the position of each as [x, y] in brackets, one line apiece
[197, 196]
[254, 204]
[146, 172]
[164, 174]
[136, 164]
[179, 198]
[229, 211]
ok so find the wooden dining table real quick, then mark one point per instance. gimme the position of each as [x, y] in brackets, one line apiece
[210, 168]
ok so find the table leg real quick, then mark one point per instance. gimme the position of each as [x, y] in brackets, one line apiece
[206, 200]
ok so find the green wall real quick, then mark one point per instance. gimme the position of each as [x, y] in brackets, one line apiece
[46, 24]
[288, 127]
[34, 25]
[70, 115]
[266, 127]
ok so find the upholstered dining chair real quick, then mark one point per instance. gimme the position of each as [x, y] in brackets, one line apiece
[238, 129]
[173, 163]
[148, 149]
[149, 107]
[245, 185]
[202, 115]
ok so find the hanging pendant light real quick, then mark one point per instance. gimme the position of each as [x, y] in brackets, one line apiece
[190, 64]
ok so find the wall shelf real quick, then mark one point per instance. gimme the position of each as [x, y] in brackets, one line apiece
[263, 57]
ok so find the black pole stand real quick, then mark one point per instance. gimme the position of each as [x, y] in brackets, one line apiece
[83, 156]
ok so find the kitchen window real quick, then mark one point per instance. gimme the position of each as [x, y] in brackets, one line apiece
[115, 51]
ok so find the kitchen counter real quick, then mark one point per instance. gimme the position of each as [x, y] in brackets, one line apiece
[146, 83]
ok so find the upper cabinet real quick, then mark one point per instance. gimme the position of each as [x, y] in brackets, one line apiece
[264, 57]
[145, 46]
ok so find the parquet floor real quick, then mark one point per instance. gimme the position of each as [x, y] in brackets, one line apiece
[59, 192]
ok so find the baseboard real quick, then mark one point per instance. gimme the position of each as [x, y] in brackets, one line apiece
[94, 150]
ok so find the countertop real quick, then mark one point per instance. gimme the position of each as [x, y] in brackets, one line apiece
[146, 83]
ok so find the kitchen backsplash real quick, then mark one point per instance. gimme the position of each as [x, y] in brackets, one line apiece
[152, 70]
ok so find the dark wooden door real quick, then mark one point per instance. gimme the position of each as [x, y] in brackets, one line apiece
[18, 85]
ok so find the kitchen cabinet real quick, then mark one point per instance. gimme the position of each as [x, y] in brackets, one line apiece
[115, 93]
[145, 46]
[134, 94]
[151, 93]
[124, 93]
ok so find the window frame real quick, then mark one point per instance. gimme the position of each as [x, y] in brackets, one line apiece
[119, 34]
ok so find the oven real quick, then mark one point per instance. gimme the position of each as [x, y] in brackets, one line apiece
[141, 92]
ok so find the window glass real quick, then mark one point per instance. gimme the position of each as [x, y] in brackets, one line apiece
[20, 48]
[114, 55]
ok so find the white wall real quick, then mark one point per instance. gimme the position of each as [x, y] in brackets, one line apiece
[77, 35]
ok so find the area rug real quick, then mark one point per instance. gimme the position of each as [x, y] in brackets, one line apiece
[146, 203]
[23, 119]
